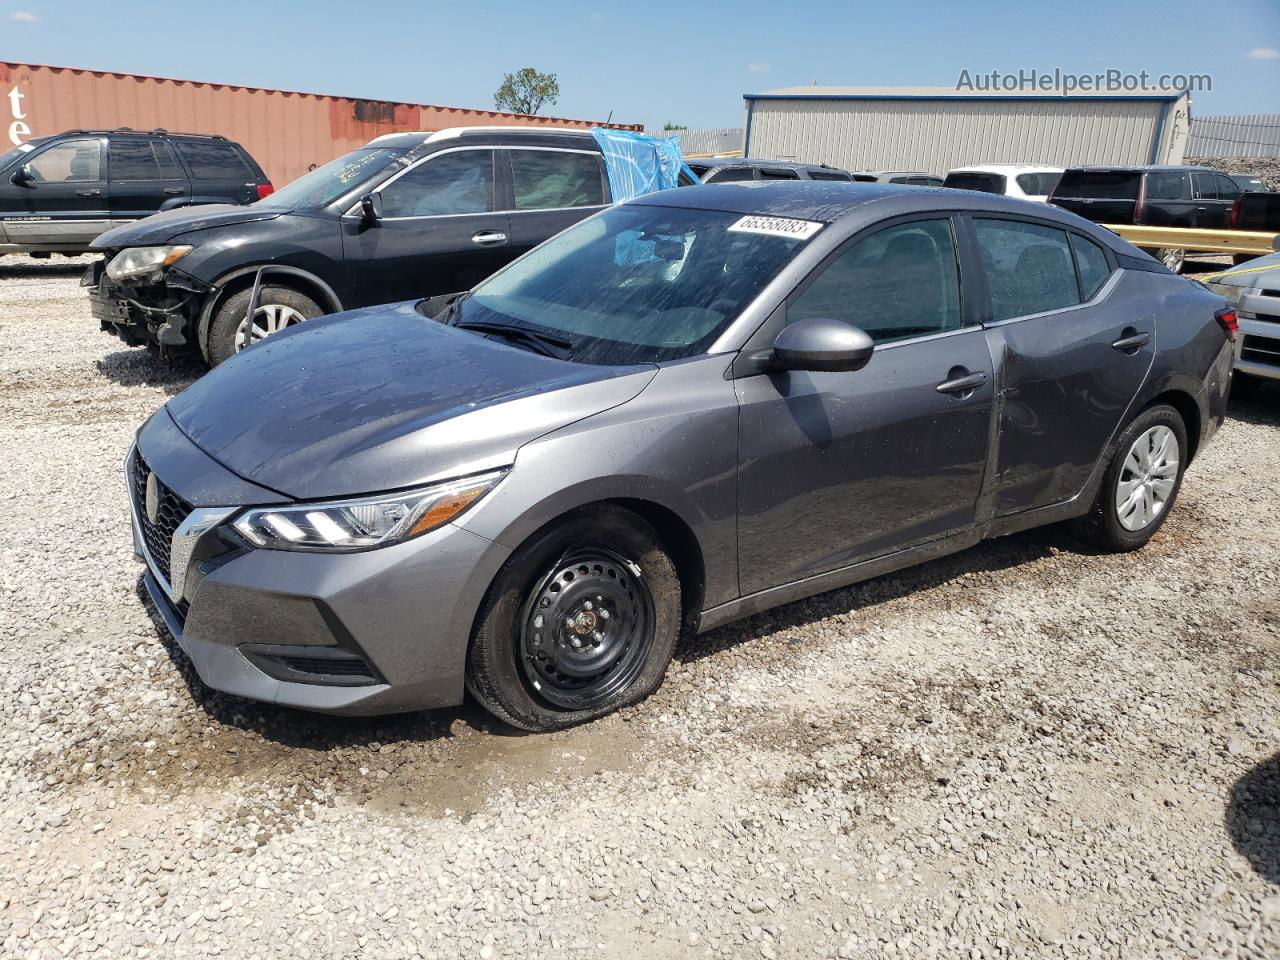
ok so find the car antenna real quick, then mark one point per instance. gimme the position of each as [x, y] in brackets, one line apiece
[246, 325]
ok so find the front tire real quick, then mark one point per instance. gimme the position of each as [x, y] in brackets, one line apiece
[278, 308]
[581, 621]
[1141, 483]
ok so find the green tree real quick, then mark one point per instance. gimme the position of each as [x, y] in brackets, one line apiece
[527, 91]
[674, 126]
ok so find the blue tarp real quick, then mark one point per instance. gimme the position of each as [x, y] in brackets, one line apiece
[637, 164]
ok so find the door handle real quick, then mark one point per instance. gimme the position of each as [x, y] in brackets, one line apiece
[963, 383]
[174, 191]
[88, 193]
[487, 238]
[1131, 340]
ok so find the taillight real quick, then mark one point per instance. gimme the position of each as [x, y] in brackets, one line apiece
[1235, 214]
[265, 189]
[1140, 205]
[1226, 317]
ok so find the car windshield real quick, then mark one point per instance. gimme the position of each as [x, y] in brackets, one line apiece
[326, 184]
[9, 156]
[639, 283]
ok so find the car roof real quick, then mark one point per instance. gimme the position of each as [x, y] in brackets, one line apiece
[1143, 168]
[416, 138]
[1006, 168]
[901, 173]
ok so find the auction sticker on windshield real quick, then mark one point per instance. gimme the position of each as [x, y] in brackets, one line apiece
[776, 227]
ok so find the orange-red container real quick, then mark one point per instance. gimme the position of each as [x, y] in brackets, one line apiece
[288, 133]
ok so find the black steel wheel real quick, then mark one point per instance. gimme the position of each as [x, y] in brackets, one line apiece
[580, 621]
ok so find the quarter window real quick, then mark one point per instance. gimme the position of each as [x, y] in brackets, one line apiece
[1029, 268]
[213, 160]
[71, 161]
[897, 283]
[1091, 264]
[446, 185]
[551, 179]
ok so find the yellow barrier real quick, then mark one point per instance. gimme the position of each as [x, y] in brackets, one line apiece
[1201, 241]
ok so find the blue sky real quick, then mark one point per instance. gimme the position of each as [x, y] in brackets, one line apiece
[645, 62]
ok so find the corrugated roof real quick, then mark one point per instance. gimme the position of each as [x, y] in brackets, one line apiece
[951, 93]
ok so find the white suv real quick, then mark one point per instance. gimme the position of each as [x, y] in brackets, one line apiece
[1012, 180]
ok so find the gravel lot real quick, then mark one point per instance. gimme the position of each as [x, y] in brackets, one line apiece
[1023, 750]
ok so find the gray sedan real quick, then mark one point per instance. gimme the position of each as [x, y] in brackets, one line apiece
[683, 410]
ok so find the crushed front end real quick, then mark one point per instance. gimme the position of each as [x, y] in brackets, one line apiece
[158, 308]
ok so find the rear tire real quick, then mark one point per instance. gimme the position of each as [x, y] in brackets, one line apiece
[1141, 484]
[581, 621]
[278, 308]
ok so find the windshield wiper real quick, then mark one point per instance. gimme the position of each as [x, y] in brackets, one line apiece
[543, 343]
[428, 307]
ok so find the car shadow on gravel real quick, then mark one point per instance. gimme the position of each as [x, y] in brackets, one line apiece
[141, 368]
[1253, 818]
[1255, 401]
[990, 556]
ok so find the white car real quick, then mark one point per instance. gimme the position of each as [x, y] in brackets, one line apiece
[1011, 180]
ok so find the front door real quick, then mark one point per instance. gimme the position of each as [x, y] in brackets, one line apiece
[1074, 349]
[1215, 194]
[60, 197]
[840, 467]
[439, 232]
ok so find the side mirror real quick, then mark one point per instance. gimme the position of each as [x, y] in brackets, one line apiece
[22, 176]
[371, 207]
[822, 344]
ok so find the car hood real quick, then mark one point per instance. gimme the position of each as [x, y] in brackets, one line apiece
[171, 224]
[384, 398]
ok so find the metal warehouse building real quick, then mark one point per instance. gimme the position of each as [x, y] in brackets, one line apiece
[938, 129]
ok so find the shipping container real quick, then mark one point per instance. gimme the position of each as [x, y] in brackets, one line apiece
[287, 132]
[939, 129]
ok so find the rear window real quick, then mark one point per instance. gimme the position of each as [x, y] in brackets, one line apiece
[1247, 184]
[982, 182]
[1037, 184]
[829, 175]
[213, 160]
[1099, 184]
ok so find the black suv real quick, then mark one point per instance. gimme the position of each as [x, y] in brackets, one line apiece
[407, 215]
[727, 169]
[1154, 196]
[58, 193]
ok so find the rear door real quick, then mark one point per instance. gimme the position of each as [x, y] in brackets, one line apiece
[548, 189]
[439, 233]
[839, 467]
[1168, 200]
[217, 171]
[63, 201]
[1103, 196]
[1073, 348]
[144, 175]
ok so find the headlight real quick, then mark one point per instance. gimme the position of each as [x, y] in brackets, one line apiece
[365, 522]
[139, 260]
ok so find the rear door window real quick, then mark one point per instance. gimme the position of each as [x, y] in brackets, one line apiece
[982, 182]
[71, 161]
[213, 160]
[829, 175]
[778, 173]
[1168, 186]
[1029, 267]
[900, 282]
[555, 179]
[1099, 185]
[135, 158]
[1037, 184]
[445, 185]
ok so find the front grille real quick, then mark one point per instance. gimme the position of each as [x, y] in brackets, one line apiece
[157, 535]
[1260, 350]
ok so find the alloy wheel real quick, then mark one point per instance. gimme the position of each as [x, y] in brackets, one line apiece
[268, 319]
[1148, 475]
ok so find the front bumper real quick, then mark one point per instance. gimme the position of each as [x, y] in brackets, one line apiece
[161, 313]
[256, 622]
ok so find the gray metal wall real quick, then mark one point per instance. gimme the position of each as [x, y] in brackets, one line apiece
[940, 134]
[704, 139]
[1239, 135]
